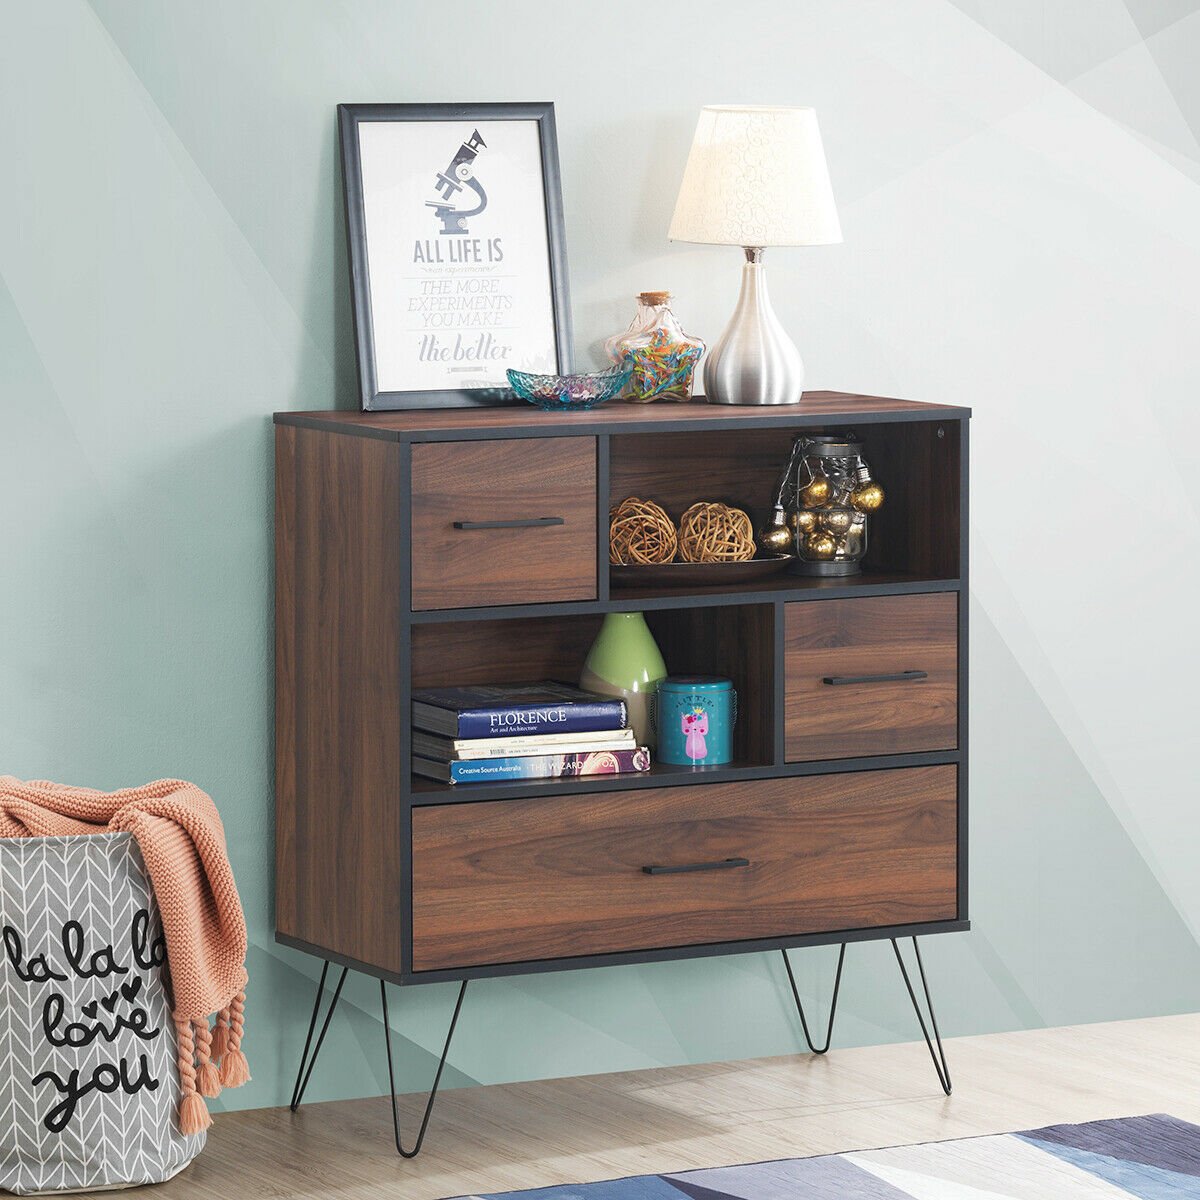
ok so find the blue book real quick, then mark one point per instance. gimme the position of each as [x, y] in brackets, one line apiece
[515, 710]
[545, 766]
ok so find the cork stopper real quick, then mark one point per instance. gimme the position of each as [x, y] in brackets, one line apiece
[653, 298]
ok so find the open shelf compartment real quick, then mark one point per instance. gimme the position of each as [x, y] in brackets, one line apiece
[915, 535]
[736, 640]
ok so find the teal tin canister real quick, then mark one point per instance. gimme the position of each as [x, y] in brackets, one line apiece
[694, 719]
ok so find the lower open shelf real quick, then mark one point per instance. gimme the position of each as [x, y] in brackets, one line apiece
[736, 641]
[429, 791]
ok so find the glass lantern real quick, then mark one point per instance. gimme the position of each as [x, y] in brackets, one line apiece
[826, 497]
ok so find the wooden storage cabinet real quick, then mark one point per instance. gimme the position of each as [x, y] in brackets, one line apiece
[561, 877]
[846, 802]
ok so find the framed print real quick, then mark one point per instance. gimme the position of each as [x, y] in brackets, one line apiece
[458, 270]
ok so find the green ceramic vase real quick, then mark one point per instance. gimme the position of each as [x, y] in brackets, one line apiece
[625, 661]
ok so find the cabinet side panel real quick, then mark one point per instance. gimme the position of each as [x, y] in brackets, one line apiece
[917, 530]
[285, 679]
[338, 703]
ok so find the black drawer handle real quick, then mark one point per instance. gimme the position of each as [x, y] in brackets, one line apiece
[523, 523]
[684, 868]
[898, 677]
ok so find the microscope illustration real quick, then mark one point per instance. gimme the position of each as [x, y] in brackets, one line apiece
[459, 174]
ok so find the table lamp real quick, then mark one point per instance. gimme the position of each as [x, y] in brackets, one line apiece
[755, 177]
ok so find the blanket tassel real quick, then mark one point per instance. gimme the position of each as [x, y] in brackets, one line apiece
[235, 1070]
[193, 1112]
[220, 1036]
[208, 1078]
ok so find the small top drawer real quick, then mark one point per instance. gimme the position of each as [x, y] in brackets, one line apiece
[871, 675]
[503, 522]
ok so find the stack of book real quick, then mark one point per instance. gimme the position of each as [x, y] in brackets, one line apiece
[492, 733]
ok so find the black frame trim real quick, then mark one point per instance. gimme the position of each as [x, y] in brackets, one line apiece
[964, 654]
[581, 424]
[408, 977]
[350, 116]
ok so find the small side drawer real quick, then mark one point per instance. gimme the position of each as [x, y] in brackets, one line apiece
[566, 876]
[872, 675]
[503, 522]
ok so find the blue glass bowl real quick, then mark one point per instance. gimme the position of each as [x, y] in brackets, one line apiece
[568, 393]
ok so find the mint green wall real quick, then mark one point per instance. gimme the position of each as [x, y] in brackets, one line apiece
[1019, 202]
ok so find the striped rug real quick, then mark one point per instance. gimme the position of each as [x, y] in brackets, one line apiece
[1152, 1158]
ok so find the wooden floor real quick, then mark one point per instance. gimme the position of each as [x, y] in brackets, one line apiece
[603, 1126]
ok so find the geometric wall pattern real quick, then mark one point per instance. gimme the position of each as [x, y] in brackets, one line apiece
[1019, 186]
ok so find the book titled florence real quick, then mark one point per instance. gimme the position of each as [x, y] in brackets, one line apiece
[543, 766]
[514, 710]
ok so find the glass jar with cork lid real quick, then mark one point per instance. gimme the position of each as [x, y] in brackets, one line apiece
[664, 357]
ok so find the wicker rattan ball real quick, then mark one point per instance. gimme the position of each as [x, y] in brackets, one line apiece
[712, 532]
[640, 532]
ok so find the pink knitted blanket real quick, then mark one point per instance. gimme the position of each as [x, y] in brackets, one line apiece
[182, 841]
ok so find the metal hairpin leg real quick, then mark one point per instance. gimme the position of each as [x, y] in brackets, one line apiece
[307, 1061]
[387, 1033]
[939, 1056]
[837, 983]
[303, 1075]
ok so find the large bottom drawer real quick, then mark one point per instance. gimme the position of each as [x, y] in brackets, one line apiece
[563, 876]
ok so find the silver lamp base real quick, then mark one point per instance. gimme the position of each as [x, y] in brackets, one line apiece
[754, 360]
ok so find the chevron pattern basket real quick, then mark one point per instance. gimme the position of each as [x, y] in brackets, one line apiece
[89, 1088]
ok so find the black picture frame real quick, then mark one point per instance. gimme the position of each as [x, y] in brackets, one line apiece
[350, 119]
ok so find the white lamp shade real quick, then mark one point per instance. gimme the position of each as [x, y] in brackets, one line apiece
[756, 177]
